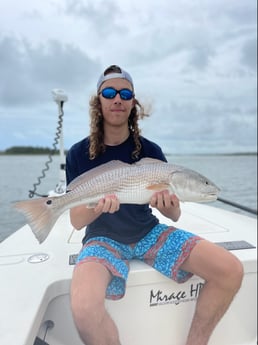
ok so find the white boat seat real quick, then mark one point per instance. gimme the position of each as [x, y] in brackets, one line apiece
[229, 245]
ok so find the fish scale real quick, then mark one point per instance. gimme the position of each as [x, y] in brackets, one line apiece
[123, 182]
[131, 183]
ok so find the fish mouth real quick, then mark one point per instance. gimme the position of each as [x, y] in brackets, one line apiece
[213, 193]
[211, 196]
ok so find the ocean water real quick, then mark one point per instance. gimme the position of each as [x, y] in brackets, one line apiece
[236, 175]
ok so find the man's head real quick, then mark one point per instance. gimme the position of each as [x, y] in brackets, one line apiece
[113, 72]
[115, 95]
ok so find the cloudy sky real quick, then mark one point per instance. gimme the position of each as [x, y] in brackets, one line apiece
[194, 61]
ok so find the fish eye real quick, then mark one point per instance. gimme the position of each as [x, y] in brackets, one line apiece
[49, 202]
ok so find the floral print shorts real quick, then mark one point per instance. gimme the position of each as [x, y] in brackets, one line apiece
[164, 248]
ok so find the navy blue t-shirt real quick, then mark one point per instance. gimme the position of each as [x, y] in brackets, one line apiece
[131, 222]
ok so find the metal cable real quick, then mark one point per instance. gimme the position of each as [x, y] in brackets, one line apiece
[33, 192]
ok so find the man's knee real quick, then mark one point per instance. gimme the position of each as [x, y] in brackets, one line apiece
[88, 316]
[236, 274]
[86, 309]
[88, 298]
[232, 274]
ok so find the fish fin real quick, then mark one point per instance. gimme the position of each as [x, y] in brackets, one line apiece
[148, 160]
[112, 165]
[88, 175]
[91, 205]
[158, 186]
[40, 216]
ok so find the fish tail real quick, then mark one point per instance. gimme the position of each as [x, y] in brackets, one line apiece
[40, 214]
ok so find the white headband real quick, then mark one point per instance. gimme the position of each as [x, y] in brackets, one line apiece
[122, 75]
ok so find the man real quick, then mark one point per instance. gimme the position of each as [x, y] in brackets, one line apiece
[117, 233]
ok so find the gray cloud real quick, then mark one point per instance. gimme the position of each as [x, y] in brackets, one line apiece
[196, 61]
[99, 15]
[28, 73]
[249, 54]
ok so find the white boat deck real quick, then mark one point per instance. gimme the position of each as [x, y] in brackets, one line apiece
[32, 293]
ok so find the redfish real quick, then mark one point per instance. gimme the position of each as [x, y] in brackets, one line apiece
[131, 183]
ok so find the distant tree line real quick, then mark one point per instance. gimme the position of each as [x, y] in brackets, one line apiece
[38, 150]
[21, 150]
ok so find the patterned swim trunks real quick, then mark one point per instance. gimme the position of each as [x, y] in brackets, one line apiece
[164, 248]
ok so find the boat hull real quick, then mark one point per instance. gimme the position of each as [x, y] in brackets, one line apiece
[156, 310]
[35, 303]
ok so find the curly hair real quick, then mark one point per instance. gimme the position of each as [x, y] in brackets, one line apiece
[96, 137]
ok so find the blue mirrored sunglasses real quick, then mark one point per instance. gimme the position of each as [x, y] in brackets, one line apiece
[110, 92]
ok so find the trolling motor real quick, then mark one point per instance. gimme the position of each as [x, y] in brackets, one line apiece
[59, 97]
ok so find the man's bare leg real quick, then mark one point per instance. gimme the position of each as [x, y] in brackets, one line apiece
[223, 274]
[88, 290]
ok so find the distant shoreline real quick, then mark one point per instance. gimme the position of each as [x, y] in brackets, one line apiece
[31, 150]
[214, 154]
[28, 150]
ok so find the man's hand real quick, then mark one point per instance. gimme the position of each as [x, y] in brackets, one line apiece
[108, 204]
[82, 215]
[167, 204]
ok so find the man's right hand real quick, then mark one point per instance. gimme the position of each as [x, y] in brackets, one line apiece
[108, 204]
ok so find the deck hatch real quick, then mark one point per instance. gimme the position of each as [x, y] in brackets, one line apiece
[235, 245]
